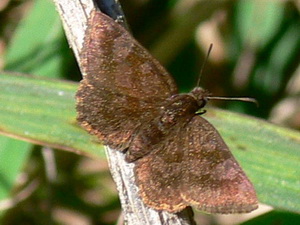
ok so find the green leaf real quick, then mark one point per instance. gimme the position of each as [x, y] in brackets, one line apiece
[258, 21]
[13, 153]
[36, 48]
[274, 217]
[43, 111]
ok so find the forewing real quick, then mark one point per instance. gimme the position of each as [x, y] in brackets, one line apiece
[212, 180]
[123, 84]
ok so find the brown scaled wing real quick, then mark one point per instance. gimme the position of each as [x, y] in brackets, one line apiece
[193, 166]
[123, 84]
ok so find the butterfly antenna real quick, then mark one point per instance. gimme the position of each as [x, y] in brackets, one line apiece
[243, 99]
[203, 64]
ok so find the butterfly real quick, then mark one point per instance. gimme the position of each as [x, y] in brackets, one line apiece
[131, 103]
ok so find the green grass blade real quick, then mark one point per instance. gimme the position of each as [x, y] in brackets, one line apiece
[43, 111]
[36, 48]
[12, 155]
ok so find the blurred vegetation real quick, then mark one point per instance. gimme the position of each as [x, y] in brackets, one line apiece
[256, 53]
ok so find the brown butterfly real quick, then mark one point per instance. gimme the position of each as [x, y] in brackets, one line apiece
[129, 101]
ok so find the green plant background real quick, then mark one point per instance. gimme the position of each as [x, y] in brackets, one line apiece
[261, 43]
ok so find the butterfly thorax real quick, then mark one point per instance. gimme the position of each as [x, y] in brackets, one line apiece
[183, 105]
[176, 112]
[177, 108]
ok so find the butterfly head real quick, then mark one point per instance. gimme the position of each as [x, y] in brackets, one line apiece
[201, 96]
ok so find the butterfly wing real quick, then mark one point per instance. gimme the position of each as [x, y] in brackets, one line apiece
[194, 167]
[123, 84]
[212, 179]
